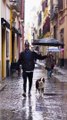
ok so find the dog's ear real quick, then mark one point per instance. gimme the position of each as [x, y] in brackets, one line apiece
[39, 79]
[43, 79]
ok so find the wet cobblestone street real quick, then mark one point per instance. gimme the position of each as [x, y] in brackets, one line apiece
[51, 106]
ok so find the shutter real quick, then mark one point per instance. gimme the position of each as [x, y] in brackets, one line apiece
[60, 4]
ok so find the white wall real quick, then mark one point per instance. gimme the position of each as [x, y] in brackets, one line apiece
[0, 40]
[0, 30]
[3, 9]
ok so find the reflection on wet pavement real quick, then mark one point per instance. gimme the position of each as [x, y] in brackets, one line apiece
[51, 106]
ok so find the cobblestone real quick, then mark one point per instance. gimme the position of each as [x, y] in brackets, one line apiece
[51, 106]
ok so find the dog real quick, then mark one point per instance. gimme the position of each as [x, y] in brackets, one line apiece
[40, 85]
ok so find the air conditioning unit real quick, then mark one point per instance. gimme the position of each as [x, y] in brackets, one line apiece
[18, 13]
[22, 22]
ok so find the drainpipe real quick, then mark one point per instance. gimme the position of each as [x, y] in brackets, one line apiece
[0, 43]
[10, 35]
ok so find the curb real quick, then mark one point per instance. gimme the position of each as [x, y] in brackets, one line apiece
[60, 78]
[55, 78]
[2, 86]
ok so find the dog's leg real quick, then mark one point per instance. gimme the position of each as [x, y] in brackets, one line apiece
[36, 90]
[42, 91]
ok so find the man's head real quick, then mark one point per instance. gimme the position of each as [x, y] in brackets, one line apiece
[26, 45]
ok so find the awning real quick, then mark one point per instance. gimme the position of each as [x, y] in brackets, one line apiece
[48, 42]
[53, 49]
[5, 23]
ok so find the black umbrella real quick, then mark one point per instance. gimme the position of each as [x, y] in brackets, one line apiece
[48, 42]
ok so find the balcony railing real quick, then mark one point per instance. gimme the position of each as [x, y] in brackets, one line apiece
[54, 12]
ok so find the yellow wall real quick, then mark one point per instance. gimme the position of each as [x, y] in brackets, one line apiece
[3, 55]
[0, 40]
[61, 23]
[10, 35]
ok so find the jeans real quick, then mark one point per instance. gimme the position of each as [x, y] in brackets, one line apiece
[28, 75]
[49, 73]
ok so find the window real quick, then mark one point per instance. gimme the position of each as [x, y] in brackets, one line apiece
[60, 4]
[62, 34]
[7, 44]
[55, 32]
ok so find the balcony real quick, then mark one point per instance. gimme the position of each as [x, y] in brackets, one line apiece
[46, 26]
[54, 13]
[15, 4]
[60, 6]
[56, 10]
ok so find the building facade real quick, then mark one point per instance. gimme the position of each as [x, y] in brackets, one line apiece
[44, 22]
[0, 40]
[12, 32]
[59, 26]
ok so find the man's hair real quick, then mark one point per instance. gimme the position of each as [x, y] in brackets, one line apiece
[26, 43]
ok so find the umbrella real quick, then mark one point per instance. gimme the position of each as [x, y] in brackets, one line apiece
[48, 42]
[53, 49]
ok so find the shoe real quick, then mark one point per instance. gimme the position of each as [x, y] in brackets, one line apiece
[24, 94]
[48, 77]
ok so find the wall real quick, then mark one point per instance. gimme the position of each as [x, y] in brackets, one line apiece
[0, 40]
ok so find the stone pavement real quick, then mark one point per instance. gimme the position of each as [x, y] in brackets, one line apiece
[59, 74]
[51, 106]
[2, 85]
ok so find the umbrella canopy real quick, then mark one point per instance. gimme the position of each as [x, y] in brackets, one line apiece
[48, 42]
[53, 49]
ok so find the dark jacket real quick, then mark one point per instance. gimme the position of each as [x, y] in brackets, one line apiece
[50, 62]
[27, 59]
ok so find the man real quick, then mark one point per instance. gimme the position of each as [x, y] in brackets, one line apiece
[27, 60]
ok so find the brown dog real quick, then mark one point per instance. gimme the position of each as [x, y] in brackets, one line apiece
[40, 85]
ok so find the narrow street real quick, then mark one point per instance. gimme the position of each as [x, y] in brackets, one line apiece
[51, 106]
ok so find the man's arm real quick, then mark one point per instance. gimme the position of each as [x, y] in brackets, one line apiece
[39, 56]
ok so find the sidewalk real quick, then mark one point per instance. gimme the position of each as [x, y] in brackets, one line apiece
[60, 74]
[51, 106]
[2, 85]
